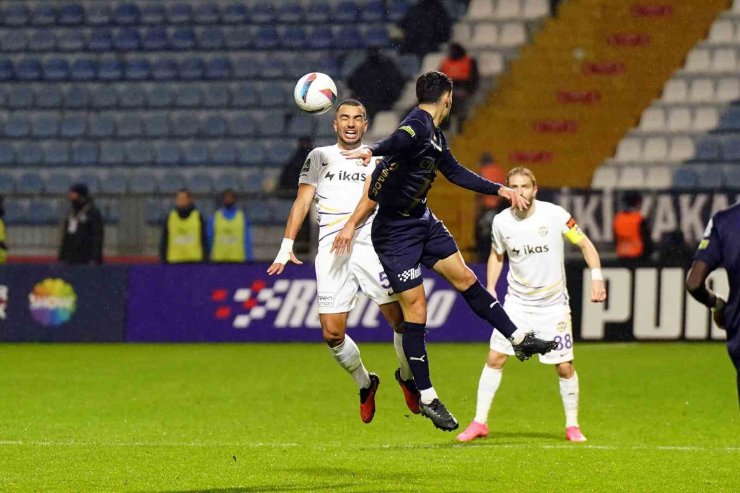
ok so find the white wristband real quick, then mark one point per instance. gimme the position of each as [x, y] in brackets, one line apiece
[287, 244]
[283, 256]
[596, 275]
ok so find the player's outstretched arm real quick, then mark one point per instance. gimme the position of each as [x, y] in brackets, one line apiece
[591, 256]
[399, 142]
[343, 240]
[301, 206]
[696, 285]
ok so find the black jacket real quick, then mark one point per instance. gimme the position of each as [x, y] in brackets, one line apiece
[82, 236]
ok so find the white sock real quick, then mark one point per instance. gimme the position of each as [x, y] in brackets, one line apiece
[569, 394]
[490, 379]
[518, 336]
[402, 361]
[428, 395]
[347, 355]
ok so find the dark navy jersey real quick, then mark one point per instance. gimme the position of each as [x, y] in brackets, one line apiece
[721, 248]
[413, 154]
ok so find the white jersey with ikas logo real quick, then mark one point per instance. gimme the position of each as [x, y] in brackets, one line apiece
[536, 253]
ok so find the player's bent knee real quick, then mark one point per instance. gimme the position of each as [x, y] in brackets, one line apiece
[333, 338]
[565, 370]
[466, 279]
[496, 360]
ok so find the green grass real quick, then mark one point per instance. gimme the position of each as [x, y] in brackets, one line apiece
[230, 418]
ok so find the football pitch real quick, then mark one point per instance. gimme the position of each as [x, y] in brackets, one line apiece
[245, 418]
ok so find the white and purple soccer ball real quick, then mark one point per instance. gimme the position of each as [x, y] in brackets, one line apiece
[315, 93]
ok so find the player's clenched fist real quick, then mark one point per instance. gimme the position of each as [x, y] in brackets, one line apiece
[284, 256]
[516, 198]
[598, 291]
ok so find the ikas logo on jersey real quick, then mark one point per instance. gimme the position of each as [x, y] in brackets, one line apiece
[346, 176]
[529, 250]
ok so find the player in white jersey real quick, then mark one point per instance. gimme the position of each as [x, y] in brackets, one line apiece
[336, 184]
[537, 297]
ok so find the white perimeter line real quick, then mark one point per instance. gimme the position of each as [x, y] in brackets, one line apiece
[51, 443]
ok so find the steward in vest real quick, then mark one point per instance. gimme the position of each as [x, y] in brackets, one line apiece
[229, 232]
[631, 235]
[184, 233]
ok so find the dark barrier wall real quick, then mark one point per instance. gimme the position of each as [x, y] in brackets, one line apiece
[62, 304]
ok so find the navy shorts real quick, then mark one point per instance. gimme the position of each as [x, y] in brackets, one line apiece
[404, 243]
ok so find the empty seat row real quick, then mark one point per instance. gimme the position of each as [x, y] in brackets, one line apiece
[718, 60]
[655, 149]
[268, 211]
[680, 119]
[702, 90]
[711, 177]
[51, 211]
[725, 31]
[489, 35]
[272, 152]
[125, 14]
[185, 38]
[508, 9]
[659, 177]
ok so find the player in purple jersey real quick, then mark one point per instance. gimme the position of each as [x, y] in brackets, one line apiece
[406, 234]
[720, 247]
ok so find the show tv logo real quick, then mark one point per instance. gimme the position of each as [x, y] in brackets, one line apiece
[52, 302]
[293, 304]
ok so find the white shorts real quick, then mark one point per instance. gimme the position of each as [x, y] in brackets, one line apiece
[552, 322]
[340, 278]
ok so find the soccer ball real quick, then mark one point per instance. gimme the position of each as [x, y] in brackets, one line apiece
[315, 93]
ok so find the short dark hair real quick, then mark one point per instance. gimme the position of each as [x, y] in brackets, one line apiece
[351, 102]
[431, 86]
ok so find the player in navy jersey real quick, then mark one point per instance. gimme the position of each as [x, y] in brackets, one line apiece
[406, 234]
[720, 247]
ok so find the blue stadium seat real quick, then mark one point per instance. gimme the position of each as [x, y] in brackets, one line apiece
[732, 174]
[237, 38]
[100, 40]
[7, 186]
[84, 154]
[104, 97]
[196, 154]
[345, 12]
[153, 14]
[188, 96]
[274, 68]
[126, 14]
[17, 126]
[102, 126]
[39, 212]
[73, 125]
[409, 65]
[218, 68]
[224, 153]
[29, 182]
[110, 69]
[58, 183]
[227, 180]
[15, 14]
[71, 14]
[155, 212]
[235, 13]
[710, 177]
[56, 69]
[244, 96]
[214, 126]
[300, 126]
[732, 149]
[142, 182]
[110, 211]
[278, 151]
[160, 96]
[290, 12]
[321, 38]
[20, 97]
[127, 39]
[128, 126]
[377, 36]
[28, 69]
[318, 13]
[685, 179]
[138, 69]
[15, 212]
[179, 13]
[7, 155]
[164, 69]
[262, 13]
[114, 183]
[14, 41]
[156, 125]
[251, 153]
[42, 40]
[30, 154]
[247, 67]
[217, 96]
[47, 97]
[132, 96]
[294, 38]
[398, 9]
[273, 95]
[348, 38]
[210, 38]
[266, 38]
[206, 13]
[112, 153]
[242, 125]
[56, 153]
[373, 12]
[76, 97]
[167, 154]
[155, 39]
[139, 153]
[71, 40]
[98, 14]
[186, 125]
[191, 69]
[260, 215]
[707, 149]
[730, 119]
[6, 69]
[83, 69]
[44, 125]
[200, 183]
[91, 179]
[182, 39]
[253, 184]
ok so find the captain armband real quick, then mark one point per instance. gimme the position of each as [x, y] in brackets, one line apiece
[573, 233]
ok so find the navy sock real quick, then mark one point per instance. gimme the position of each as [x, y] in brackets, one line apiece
[488, 308]
[416, 353]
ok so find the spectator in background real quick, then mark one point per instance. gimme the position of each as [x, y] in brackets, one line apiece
[488, 205]
[229, 232]
[674, 251]
[184, 233]
[3, 244]
[377, 82]
[463, 69]
[288, 181]
[82, 237]
[631, 233]
[425, 26]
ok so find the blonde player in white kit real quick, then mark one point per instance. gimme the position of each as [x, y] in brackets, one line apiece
[537, 297]
[336, 184]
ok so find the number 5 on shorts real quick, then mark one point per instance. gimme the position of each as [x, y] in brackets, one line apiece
[384, 282]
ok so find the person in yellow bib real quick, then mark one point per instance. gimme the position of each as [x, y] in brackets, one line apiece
[3, 245]
[184, 233]
[229, 232]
